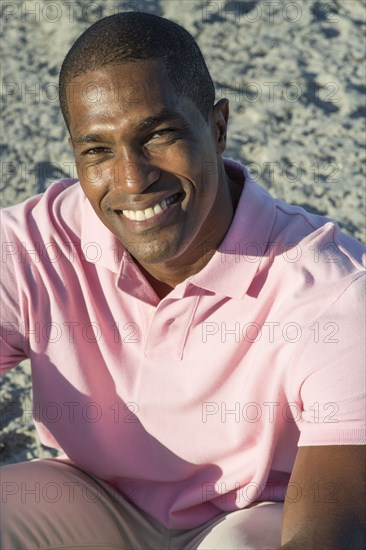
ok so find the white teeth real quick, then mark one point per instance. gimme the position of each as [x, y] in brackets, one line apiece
[157, 209]
[141, 215]
[149, 213]
[130, 214]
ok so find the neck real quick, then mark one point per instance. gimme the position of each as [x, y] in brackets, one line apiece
[164, 278]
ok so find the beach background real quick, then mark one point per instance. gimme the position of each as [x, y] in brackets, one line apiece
[294, 72]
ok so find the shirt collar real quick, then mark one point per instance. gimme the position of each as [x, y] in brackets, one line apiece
[233, 267]
[99, 245]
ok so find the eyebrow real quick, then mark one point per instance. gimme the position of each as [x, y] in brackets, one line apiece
[88, 138]
[165, 115]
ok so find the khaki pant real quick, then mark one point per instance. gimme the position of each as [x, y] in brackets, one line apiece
[51, 504]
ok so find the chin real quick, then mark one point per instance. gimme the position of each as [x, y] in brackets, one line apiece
[154, 253]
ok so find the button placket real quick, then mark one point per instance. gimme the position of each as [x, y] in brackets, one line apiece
[170, 326]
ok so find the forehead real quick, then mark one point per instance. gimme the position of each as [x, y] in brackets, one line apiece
[133, 91]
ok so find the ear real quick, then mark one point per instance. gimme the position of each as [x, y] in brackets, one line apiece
[70, 142]
[220, 119]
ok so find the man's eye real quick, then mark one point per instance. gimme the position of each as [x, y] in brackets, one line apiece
[95, 151]
[164, 132]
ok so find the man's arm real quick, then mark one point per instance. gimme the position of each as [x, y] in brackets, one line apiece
[325, 502]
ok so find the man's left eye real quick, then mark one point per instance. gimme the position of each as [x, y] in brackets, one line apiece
[164, 132]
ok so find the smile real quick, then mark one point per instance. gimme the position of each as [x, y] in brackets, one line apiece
[142, 215]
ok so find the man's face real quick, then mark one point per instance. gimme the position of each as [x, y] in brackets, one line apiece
[148, 162]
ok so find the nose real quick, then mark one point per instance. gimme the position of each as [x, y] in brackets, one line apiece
[133, 173]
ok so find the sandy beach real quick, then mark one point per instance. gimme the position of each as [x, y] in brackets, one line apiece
[294, 73]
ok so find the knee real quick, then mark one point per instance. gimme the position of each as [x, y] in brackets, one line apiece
[252, 528]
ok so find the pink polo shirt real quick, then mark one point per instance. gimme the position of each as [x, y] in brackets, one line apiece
[194, 404]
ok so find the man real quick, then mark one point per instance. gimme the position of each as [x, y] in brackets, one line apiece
[195, 344]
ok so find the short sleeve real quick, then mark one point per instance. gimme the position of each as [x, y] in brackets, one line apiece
[12, 341]
[333, 356]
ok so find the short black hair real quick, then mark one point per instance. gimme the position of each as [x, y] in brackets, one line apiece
[132, 36]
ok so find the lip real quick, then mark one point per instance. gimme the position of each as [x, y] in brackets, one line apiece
[163, 218]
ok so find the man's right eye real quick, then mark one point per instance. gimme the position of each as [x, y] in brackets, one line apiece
[95, 151]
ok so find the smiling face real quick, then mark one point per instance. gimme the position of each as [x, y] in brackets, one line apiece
[149, 163]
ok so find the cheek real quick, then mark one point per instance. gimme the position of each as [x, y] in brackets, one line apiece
[187, 156]
[92, 195]
[94, 182]
[91, 177]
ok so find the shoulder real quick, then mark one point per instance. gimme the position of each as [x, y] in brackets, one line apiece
[316, 238]
[57, 210]
[275, 230]
[304, 261]
[315, 258]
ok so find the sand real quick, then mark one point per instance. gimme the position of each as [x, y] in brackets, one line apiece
[294, 73]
